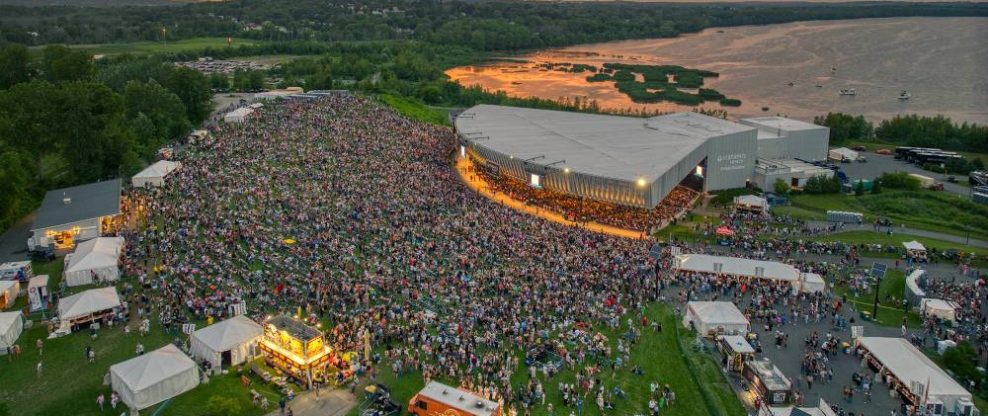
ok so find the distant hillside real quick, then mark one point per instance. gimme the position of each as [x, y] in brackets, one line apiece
[100, 3]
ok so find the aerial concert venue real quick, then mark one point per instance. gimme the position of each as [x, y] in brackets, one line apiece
[631, 161]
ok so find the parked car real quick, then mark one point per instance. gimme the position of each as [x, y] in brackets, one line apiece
[951, 179]
[885, 152]
[859, 148]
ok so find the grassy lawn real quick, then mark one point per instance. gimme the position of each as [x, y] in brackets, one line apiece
[695, 377]
[69, 384]
[416, 110]
[892, 290]
[871, 237]
[926, 210]
[184, 45]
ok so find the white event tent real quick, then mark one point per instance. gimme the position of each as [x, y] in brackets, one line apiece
[8, 292]
[751, 203]
[939, 308]
[715, 317]
[914, 370]
[239, 115]
[234, 336]
[11, 326]
[152, 378]
[154, 175]
[749, 268]
[99, 257]
[82, 306]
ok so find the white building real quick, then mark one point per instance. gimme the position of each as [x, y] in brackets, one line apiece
[793, 172]
[786, 138]
[715, 318]
[155, 174]
[70, 215]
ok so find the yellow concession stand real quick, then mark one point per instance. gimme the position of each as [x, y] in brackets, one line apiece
[299, 350]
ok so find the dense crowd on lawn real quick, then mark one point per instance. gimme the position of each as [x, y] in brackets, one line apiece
[351, 213]
[583, 210]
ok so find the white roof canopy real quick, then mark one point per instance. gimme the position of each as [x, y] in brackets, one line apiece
[717, 313]
[750, 200]
[909, 364]
[96, 253]
[224, 335]
[37, 281]
[458, 399]
[736, 266]
[914, 245]
[11, 326]
[159, 169]
[738, 344]
[154, 377]
[88, 302]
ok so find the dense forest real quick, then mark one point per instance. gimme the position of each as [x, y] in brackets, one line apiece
[909, 130]
[66, 119]
[480, 25]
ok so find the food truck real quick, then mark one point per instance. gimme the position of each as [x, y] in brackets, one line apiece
[299, 350]
[438, 399]
[774, 387]
[736, 350]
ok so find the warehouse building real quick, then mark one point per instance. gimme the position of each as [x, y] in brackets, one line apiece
[785, 138]
[793, 172]
[72, 215]
[622, 160]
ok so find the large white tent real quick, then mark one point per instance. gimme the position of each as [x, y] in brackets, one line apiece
[87, 303]
[154, 377]
[154, 175]
[8, 292]
[239, 115]
[842, 153]
[939, 308]
[99, 258]
[705, 263]
[914, 370]
[751, 203]
[38, 292]
[812, 283]
[719, 317]
[234, 336]
[11, 326]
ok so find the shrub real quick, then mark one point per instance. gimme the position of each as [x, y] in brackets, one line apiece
[899, 180]
[730, 102]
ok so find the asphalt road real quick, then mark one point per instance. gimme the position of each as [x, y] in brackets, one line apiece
[878, 164]
[13, 242]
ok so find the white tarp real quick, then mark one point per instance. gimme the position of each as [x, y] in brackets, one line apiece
[8, 292]
[734, 266]
[87, 303]
[910, 365]
[813, 283]
[38, 292]
[94, 259]
[11, 326]
[154, 175]
[914, 245]
[939, 308]
[154, 377]
[751, 202]
[239, 115]
[235, 335]
[720, 317]
[842, 153]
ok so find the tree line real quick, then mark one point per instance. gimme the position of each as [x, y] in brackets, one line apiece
[66, 119]
[908, 130]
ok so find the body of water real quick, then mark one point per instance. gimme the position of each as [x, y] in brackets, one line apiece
[941, 62]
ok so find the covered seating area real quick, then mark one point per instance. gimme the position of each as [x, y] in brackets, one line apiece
[909, 371]
[94, 261]
[11, 326]
[715, 318]
[228, 342]
[152, 378]
[88, 306]
[155, 174]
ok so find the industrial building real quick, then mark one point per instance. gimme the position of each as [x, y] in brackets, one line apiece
[633, 161]
[71, 215]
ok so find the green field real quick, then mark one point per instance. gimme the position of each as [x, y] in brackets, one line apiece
[185, 45]
[416, 110]
[890, 294]
[666, 358]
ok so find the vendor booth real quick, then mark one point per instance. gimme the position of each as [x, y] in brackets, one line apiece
[939, 308]
[715, 318]
[11, 325]
[20, 271]
[155, 174]
[751, 203]
[96, 260]
[915, 250]
[228, 342]
[38, 294]
[774, 387]
[295, 348]
[152, 378]
[88, 306]
[736, 351]
[917, 378]
[821, 409]
[8, 293]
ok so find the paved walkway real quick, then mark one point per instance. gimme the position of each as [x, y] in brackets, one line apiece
[474, 181]
[330, 403]
[959, 239]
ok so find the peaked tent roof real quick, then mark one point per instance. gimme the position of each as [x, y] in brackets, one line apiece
[96, 253]
[8, 319]
[913, 245]
[718, 312]
[909, 364]
[89, 301]
[159, 169]
[225, 335]
[146, 370]
[87, 201]
[736, 266]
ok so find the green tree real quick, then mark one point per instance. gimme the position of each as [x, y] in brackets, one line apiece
[962, 360]
[60, 63]
[859, 188]
[781, 187]
[876, 187]
[164, 109]
[15, 65]
[845, 127]
[977, 163]
[192, 88]
[218, 81]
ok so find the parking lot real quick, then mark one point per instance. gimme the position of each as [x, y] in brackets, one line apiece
[878, 164]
